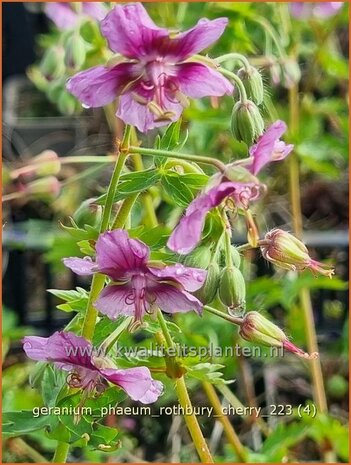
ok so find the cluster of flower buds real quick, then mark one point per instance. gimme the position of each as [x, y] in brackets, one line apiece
[258, 329]
[286, 251]
[36, 179]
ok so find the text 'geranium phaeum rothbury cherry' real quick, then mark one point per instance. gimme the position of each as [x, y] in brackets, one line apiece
[86, 371]
[155, 74]
[138, 287]
[268, 148]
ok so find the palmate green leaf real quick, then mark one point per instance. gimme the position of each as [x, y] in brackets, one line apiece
[76, 300]
[131, 183]
[23, 422]
[171, 139]
[51, 385]
[208, 372]
[180, 194]
[156, 238]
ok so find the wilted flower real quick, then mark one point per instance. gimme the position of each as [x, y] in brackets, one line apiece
[153, 76]
[269, 148]
[137, 287]
[286, 251]
[86, 371]
[65, 16]
[256, 328]
[304, 10]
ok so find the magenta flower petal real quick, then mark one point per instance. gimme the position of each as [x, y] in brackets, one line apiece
[63, 348]
[170, 299]
[81, 266]
[187, 234]
[137, 382]
[96, 10]
[100, 85]
[116, 300]
[197, 80]
[136, 114]
[197, 38]
[191, 278]
[117, 254]
[269, 147]
[130, 31]
[61, 14]
[304, 10]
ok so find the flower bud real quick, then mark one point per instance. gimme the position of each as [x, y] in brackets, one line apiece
[247, 122]
[253, 83]
[208, 291]
[291, 73]
[286, 251]
[199, 258]
[52, 65]
[67, 104]
[258, 329]
[44, 189]
[89, 212]
[232, 289]
[75, 52]
[46, 163]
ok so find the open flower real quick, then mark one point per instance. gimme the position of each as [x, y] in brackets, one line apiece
[86, 371]
[268, 148]
[136, 286]
[154, 75]
[304, 10]
[66, 17]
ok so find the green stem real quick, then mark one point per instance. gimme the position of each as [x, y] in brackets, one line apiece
[269, 29]
[25, 449]
[61, 452]
[192, 423]
[238, 82]
[225, 316]
[305, 296]
[185, 402]
[88, 159]
[227, 426]
[97, 285]
[234, 56]
[181, 156]
[98, 280]
[124, 211]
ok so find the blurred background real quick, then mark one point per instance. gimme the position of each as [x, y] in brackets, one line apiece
[39, 116]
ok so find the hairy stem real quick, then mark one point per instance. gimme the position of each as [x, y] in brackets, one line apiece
[181, 156]
[185, 402]
[227, 426]
[61, 452]
[238, 82]
[305, 297]
[232, 319]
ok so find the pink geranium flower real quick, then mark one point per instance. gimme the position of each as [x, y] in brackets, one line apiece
[155, 75]
[137, 287]
[65, 17]
[268, 148]
[86, 371]
[304, 10]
